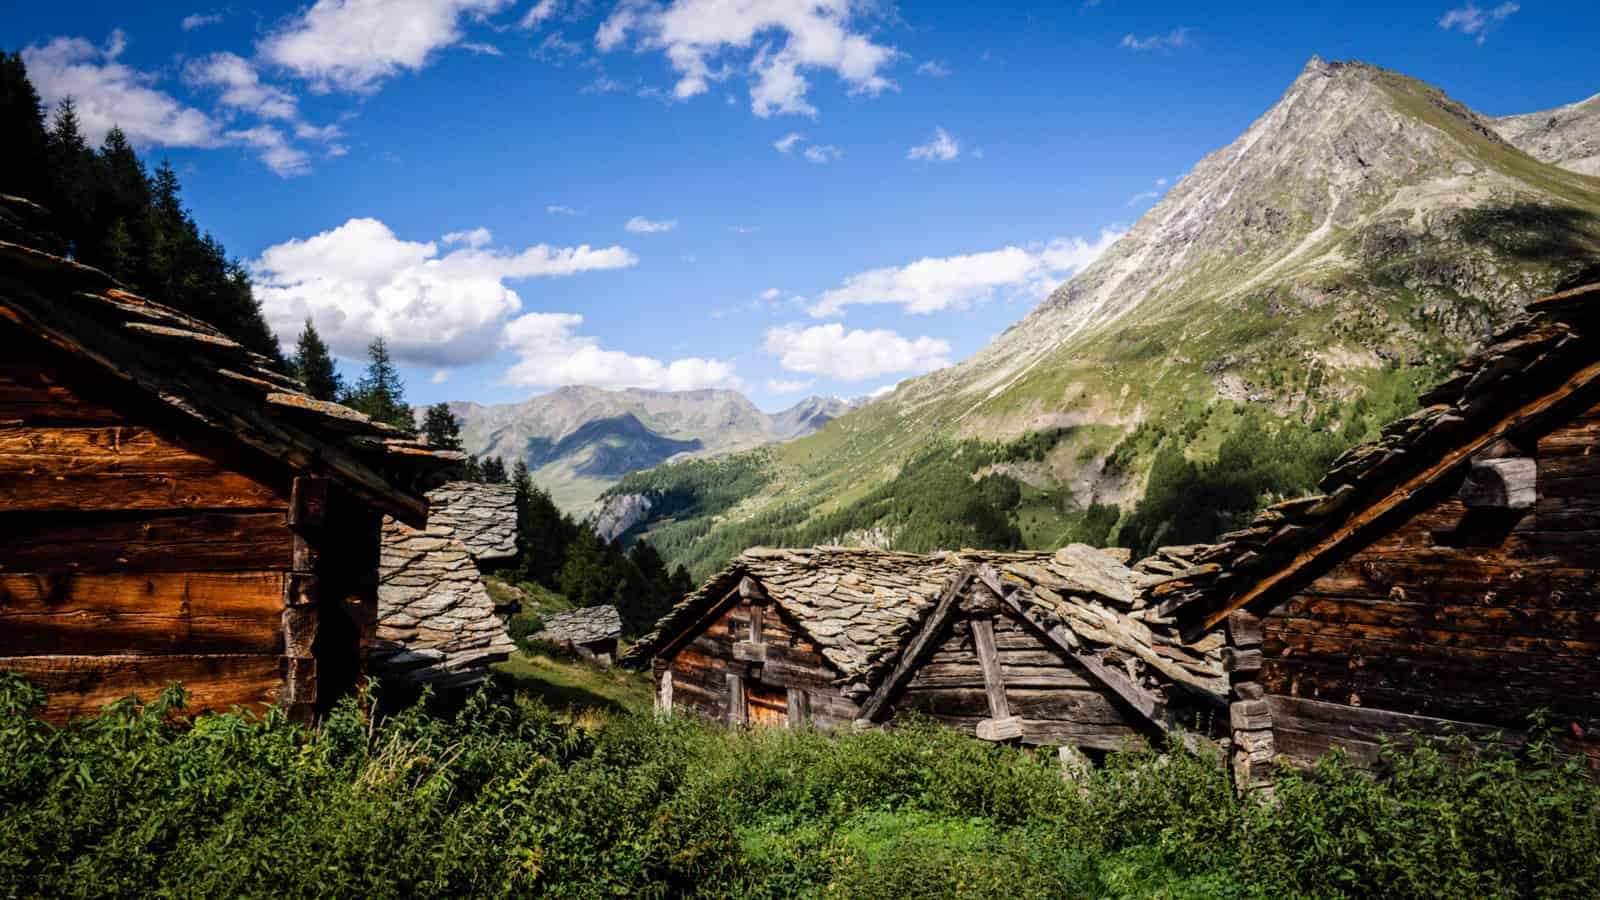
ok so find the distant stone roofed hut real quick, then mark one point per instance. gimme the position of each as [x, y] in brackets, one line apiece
[1037, 647]
[173, 509]
[1447, 581]
[1053, 648]
[787, 637]
[591, 632]
[436, 622]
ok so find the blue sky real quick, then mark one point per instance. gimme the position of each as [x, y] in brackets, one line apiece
[786, 197]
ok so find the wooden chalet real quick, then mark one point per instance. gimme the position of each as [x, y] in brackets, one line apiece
[1447, 581]
[1038, 647]
[172, 509]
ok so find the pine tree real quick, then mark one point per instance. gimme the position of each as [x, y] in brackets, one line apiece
[24, 170]
[682, 583]
[313, 365]
[643, 607]
[380, 393]
[440, 428]
[494, 470]
[72, 174]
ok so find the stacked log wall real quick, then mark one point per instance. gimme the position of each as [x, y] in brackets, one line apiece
[1463, 620]
[1058, 700]
[701, 667]
[131, 555]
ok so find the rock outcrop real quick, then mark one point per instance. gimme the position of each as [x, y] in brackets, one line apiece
[1567, 136]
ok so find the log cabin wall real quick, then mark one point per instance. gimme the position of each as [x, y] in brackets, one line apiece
[1462, 617]
[718, 675]
[134, 553]
[1058, 701]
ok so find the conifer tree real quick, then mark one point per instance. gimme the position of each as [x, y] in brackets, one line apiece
[380, 393]
[440, 428]
[313, 365]
[23, 167]
[494, 470]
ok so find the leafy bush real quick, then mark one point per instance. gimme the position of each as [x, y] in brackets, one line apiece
[501, 799]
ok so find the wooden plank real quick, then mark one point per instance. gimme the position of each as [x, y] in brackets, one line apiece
[80, 685]
[84, 614]
[737, 714]
[192, 542]
[1576, 438]
[308, 503]
[664, 692]
[1373, 516]
[1422, 633]
[755, 625]
[993, 684]
[912, 651]
[130, 448]
[799, 707]
[1006, 729]
[114, 491]
[749, 651]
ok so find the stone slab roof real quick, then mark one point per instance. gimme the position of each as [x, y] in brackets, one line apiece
[589, 625]
[859, 606]
[436, 623]
[481, 516]
[1555, 343]
[194, 369]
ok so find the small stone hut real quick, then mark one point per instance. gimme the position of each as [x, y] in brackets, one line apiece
[174, 509]
[1037, 647]
[591, 632]
[1446, 581]
[436, 621]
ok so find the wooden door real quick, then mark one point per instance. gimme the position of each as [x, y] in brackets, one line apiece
[765, 704]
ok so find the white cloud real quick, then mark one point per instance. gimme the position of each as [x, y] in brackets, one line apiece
[1172, 40]
[1143, 197]
[936, 283]
[538, 14]
[789, 386]
[477, 237]
[787, 142]
[933, 69]
[481, 49]
[352, 45]
[943, 147]
[771, 294]
[441, 376]
[641, 225]
[361, 281]
[556, 209]
[832, 351]
[1470, 20]
[240, 85]
[556, 50]
[821, 153]
[200, 20]
[109, 93]
[549, 355]
[881, 392]
[775, 41]
[280, 156]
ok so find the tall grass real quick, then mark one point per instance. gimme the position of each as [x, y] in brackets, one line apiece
[503, 799]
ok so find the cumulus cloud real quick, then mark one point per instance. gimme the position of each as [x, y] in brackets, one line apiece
[200, 20]
[789, 386]
[854, 355]
[943, 148]
[770, 294]
[240, 85]
[477, 237]
[556, 209]
[1172, 40]
[775, 42]
[282, 157]
[352, 45]
[787, 142]
[550, 354]
[108, 93]
[641, 225]
[821, 153]
[936, 283]
[441, 376]
[361, 281]
[1470, 20]
[933, 69]
[538, 14]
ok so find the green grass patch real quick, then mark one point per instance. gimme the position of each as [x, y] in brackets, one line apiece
[573, 687]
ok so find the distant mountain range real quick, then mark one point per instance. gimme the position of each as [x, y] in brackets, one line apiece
[1359, 237]
[579, 440]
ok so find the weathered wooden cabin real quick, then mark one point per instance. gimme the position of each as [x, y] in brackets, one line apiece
[172, 509]
[1448, 579]
[789, 636]
[591, 632]
[1038, 647]
[1052, 648]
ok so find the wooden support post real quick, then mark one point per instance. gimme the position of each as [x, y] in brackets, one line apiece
[799, 707]
[755, 624]
[1001, 724]
[736, 708]
[664, 694]
[302, 598]
[1506, 483]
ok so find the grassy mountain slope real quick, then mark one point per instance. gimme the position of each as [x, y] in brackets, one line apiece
[1283, 301]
